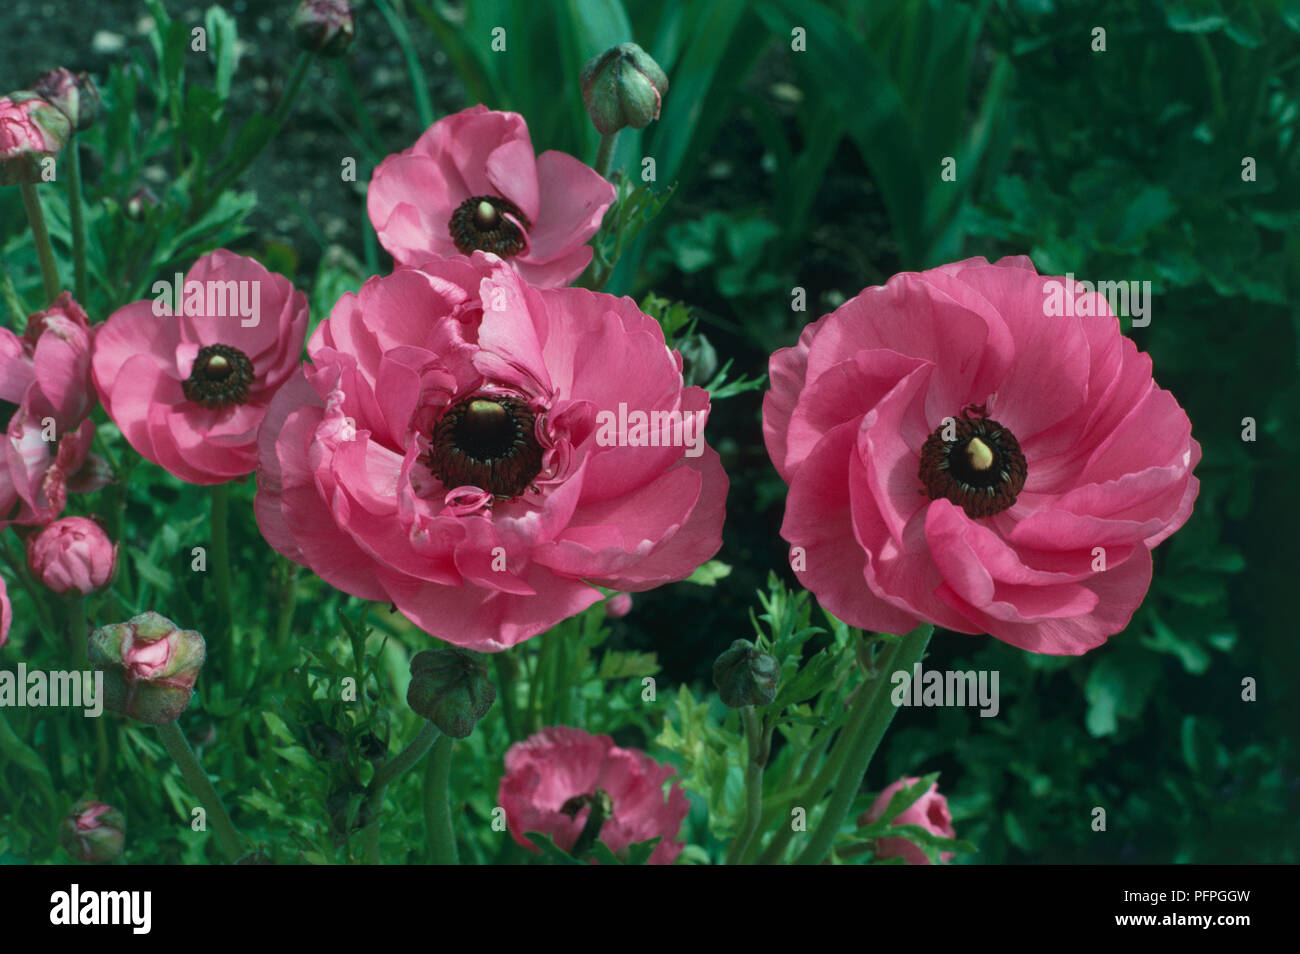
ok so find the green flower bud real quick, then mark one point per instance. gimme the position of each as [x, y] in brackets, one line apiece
[326, 27]
[746, 677]
[450, 688]
[150, 666]
[93, 832]
[623, 86]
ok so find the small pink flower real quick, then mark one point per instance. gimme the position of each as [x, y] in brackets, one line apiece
[959, 453]
[6, 612]
[189, 391]
[930, 812]
[46, 395]
[444, 451]
[550, 773]
[73, 553]
[472, 182]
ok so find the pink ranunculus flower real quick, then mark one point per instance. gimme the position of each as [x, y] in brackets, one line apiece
[449, 449]
[930, 812]
[6, 612]
[72, 553]
[552, 776]
[956, 454]
[471, 181]
[189, 390]
[46, 395]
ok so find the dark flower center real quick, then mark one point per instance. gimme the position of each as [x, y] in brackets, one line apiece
[221, 377]
[486, 441]
[480, 223]
[975, 462]
[7, 412]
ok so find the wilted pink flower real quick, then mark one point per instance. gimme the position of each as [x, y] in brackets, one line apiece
[471, 182]
[958, 456]
[443, 451]
[189, 391]
[73, 553]
[30, 130]
[45, 397]
[6, 612]
[930, 812]
[551, 777]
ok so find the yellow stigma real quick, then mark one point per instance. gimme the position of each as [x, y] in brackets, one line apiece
[218, 367]
[979, 455]
[485, 214]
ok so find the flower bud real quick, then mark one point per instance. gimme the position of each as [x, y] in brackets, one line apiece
[621, 87]
[74, 94]
[149, 665]
[618, 605]
[324, 26]
[930, 812]
[744, 676]
[30, 130]
[93, 832]
[140, 203]
[450, 688]
[72, 553]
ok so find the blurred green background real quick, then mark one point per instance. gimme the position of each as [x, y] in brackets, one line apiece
[820, 169]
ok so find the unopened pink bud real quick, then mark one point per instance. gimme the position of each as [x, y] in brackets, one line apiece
[150, 666]
[72, 553]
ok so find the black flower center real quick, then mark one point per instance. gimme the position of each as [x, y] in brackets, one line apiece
[486, 441]
[7, 412]
[975, 462]
[480, 223]
[221, 377]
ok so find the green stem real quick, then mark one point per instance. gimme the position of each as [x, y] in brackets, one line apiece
[384, 776]
[437, 804]
[178, 747]
[287, 604]
[506, 668]
[13, 301]
[877, 712]
[282, 108]
[221, 568]
[44, 620]
[77, 220]
[605, 154]
[758, 751]
[41, 235]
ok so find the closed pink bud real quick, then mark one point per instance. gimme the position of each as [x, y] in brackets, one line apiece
[930, 812]
[73, 553]
[30, 130]
[618, 605]
[150, 666]
[75, 95]
[93, 832]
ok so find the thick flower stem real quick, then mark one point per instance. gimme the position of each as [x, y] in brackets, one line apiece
[221, 569]
[384, 776]
[77, 220]
[605, 154]
[44, 621]
[288, 602]
[506, 667]
[41, 236]
[437, 804]
[877, 712]
[759, 746]
[281, 113]
[178, 747]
